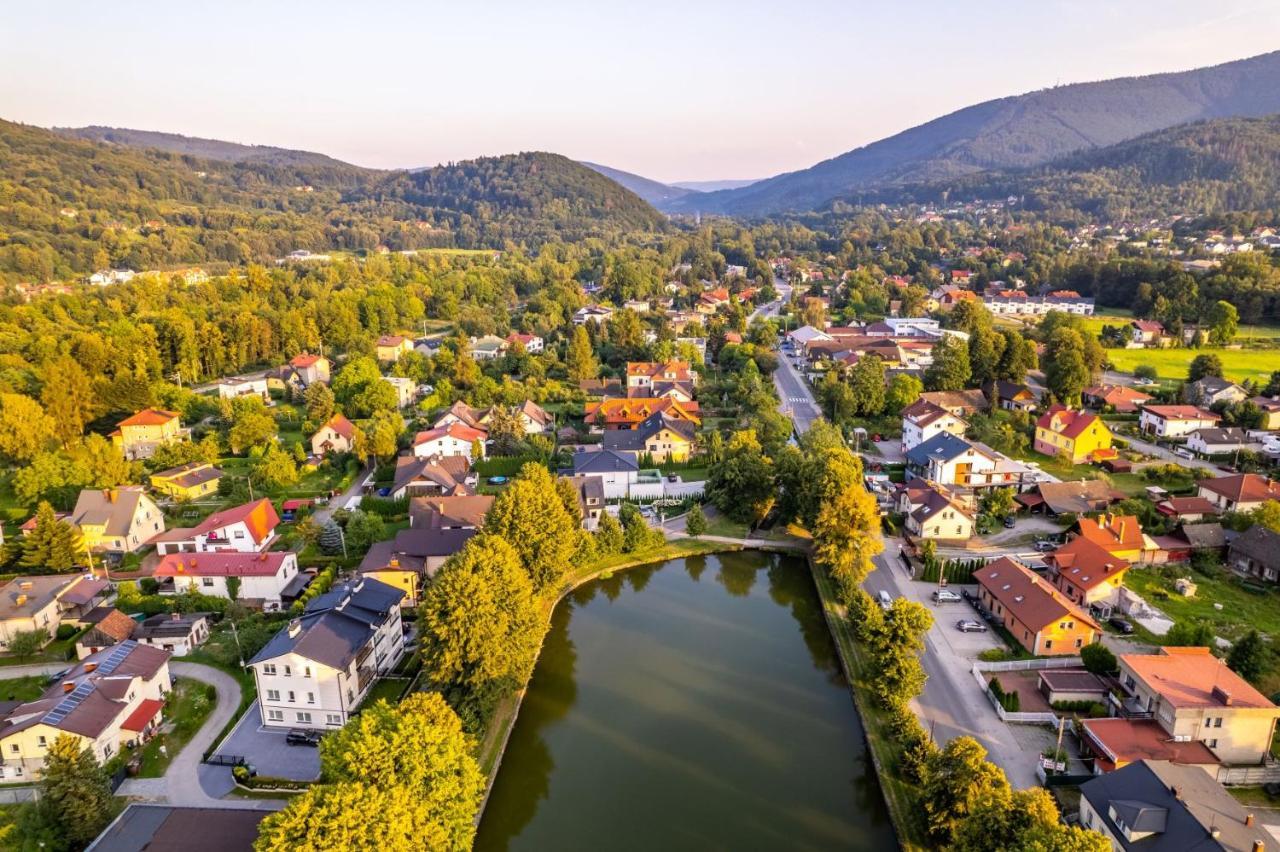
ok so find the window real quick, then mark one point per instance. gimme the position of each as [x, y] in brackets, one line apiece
[291, 696]
[311, 698]
[269, 668]
[306, 672]
[14, 748]
[1211, 743]
[1079, 643]
[287, 672]
[304, 717]
[207, 582]
[1217, 723]
[275, 715]
[1048, 644]
[333, 719]
[273, 695]
[40, 741]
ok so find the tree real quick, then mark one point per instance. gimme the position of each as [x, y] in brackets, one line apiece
[1249, 657]
[998, 502]
[251, 424]
[608, 535]
[1267, 515]
[331, 538]
[1206, 364]
[695, 522]
[904, 389]
[25, 644]
[1017, 356]
[68, 397]
[420, 745]
[75, 796]
[275, 468]
[1224, 322]
[1066, 373]
[332, 817]
[580, 360]
[866, 385]
[950, 369]
[896, 642]
[506, 431]
[25, 428]
[530, 515]
[481, 625]
[957, 779]
[1190, 634]
[53, 546]
[319, 402]
[636, 534]
[382, 433]
[363, 529]
[1098, 659]
[1004, 819]
[742, 484]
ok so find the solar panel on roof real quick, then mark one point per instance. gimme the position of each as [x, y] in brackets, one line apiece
[117, 656]
[67, 704]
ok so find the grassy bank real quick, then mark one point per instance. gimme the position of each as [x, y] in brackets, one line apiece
[1237, 364]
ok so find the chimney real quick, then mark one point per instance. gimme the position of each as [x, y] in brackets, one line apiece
[1259, 846]
[21, 600]
[110, 494]
[90, 667]
[295, 627]
[68, 686]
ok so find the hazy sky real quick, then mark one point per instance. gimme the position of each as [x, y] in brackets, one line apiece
[688, 90]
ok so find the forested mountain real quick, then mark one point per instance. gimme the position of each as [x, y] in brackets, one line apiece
[69, 206]
[714, 185]
[1021, 131]
[194, 146]
[1230, 164]
[652, 191]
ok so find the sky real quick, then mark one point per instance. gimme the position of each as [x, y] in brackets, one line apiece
[688, 90]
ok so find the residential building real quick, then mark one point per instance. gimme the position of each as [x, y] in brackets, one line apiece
[1075, 497]
[455, 439]
[41, 603]
[960, 403]
[1211, 390]
[1145, 333]
[117, 520]
[105, 701]
[430, 476]
[411, 558]
[337, 435]
[1119, 535]
[169, 828]
[176, 632]
[1086, 572]
[1256, 553]
[248, 528]
[661, 437]
[617, 471]
[644, 377]
[1115, 742]
[266, 580]
[532, 343]
[449, 513]
[190, 481]
[462, 413]
[1010, 396]
[1076, 434]
[1220, 441]
[949, 460]
[1161, 806]
[1270, 408]
[315, 672]
[592, 313]
[935, 514]
[406, 390]
[1121, 399]
[390, 347]
[922, 420]
[108, 627]
[311, 368]
[1241, 492]
[487, 348]
[1186, 508]
[590, 491]
[628, 413]
[238, 386]
[138, 435]
[1040, 618]
[1175, 421]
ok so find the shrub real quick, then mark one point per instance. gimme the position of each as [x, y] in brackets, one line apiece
[149, 585]
[65, 631]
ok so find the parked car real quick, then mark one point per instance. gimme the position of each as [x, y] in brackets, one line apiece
[883, 597]
[1010, 522]
[968, 625]
[55, 677]
[1182, 452]
[1045, 546]
[302, 737]
[1120, 624]
[946, 596]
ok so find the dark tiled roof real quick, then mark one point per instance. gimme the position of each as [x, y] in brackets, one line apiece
[604, 461]
[336, 625]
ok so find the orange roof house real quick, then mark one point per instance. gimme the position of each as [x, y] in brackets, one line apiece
[1080, 435]
[337, 435]
[1242, 492]
[1124, 400]
[140, 434]
[1085, 571]
[630, 413]
[1119, 535]
[248, 528]
[1039, 617]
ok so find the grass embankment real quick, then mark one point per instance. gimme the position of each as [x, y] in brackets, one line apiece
[499, 729]
[1242, 609]
[1237, 364]
[188, 708]
[903, 799]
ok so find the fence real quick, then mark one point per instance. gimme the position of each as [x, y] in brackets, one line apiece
[1028, 665]
[18, 795]
[1024, 717]
[1250, 776]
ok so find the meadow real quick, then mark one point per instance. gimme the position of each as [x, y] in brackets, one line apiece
[1237, 364]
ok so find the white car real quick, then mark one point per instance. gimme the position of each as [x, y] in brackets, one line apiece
[946, 596]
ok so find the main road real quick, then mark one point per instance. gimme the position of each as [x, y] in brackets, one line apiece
[951, 704]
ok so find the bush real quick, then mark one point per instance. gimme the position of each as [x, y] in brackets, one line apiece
[385, 508]
[1098, 659]
[65, 632]
[149, 585]
[1091, 709]
[1008, 700]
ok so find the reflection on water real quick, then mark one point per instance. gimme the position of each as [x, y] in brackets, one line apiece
[669, 712]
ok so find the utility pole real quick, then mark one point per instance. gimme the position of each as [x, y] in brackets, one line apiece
[236, 636]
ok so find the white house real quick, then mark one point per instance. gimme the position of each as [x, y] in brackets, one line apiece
[532, 343]
[1220, 441]
[237, 386]
[1175, 421]
[616, 471]
[338, 435]
[176, 632]
[488, 348]
[923, 419]
[249, 528]
[319, 667]
[265, 578]
[592, 313]
[948, 460]
[406, 389]
[455, 439]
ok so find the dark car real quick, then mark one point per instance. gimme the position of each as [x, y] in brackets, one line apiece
[55, 677]
[302, 737]
[967, 625]
[1010, 521]
[1120, 624]
[1271, 788]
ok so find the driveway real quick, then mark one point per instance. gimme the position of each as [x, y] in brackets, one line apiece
[355, 489]
[267, 751]
[1165, 454]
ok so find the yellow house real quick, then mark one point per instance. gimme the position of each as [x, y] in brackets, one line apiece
[391, 346]
[187, 482]
[1083, 436]
[139, 435]
[661, 436]
[117, 520]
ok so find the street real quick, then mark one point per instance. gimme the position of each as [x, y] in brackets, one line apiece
[797, 397]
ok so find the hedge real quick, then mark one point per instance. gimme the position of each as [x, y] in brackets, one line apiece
[505, 465]
[1008, 700]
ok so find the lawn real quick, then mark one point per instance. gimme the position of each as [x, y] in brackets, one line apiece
[187, 708]
[1237, 364]
[385, 689]
[724, 526]
[22, 688]
[57, 651]
[1241, 609]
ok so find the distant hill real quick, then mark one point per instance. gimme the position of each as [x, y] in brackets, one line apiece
[1012, 132]
[657, 194]
[1223, 165]
[714, 185]
[207, 149]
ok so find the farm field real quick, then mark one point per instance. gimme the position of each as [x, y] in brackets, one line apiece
[1237, 364]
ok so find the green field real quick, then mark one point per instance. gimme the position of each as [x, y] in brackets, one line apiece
[1237, 364]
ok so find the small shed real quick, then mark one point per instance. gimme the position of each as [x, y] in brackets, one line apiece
[1071, 685]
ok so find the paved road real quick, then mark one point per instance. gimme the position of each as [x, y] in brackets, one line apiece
[355, 489]
[1166, 454]
[34, 669]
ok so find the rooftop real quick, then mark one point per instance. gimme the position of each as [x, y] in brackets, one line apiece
[1193, 677]
[1028, 597]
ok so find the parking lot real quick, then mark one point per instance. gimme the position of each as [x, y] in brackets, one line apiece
[967, 645]
[265, 749]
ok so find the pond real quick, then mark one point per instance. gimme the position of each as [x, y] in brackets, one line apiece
[694, 704]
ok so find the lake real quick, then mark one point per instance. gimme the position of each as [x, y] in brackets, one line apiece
[692, 704]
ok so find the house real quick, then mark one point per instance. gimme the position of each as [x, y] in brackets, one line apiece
[390, 347]
[922, 420]
[267, 580]
[1256, 553]
[248, 528]
[430, 476]
[660, 436]
[1218, 441]
[138, 435]
[1119, 535]
[590, 491]
[1194, 696]
[1086, 572]
[1190, 539]
[1010, 396]
[949, 460]
[1241, 492]
[628, 413]
[615, 470]
[170, 828]
[449, 513]
[534, 418]
[238, 386]
[321, 665]
[1146, 333]
[1186, 508]
[106, 701]
[108, 627]
[41, 603]
[1211, 390]
[592, 313]
[117, 520]
[1075, 498]
[337, 435]
[455, 439]
[935, 514]
[190, 481]
[310, 368]
[406, 389]
[176, 632]
[1119, 398]
[1076, 434]
[1270, 408]
[1161, 806]
[960, 403]
[712, 300]
[532, 343]
[647, 375]
[1175, 421]
[1113, 743]
[490, 347]
[1039, 617]
[462, 413]
[411, 558]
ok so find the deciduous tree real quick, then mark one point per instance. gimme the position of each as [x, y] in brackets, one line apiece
[530, 515]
